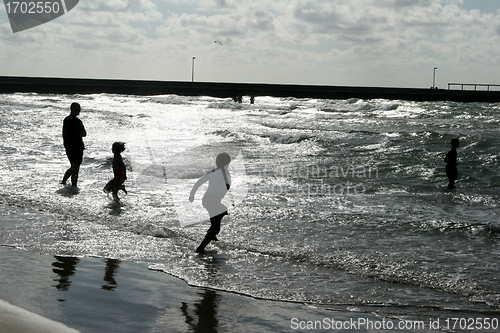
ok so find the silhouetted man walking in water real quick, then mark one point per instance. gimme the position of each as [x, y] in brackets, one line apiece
[73, 132]
[451, 163]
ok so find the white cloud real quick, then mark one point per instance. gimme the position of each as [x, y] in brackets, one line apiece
[380, 42]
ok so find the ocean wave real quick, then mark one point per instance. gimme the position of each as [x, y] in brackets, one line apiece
[404, 237]
[289, 138]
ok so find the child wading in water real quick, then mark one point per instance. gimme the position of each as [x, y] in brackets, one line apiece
[451, 163]
[219, 181]
[119, 171]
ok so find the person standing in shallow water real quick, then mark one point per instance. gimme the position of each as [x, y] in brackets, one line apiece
[219, 181]
[451, 163]
[119, 171]
[73, 133]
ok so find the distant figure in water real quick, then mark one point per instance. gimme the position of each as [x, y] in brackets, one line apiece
[451, 163]
[73, 132]
[119, 171]
[219, 181]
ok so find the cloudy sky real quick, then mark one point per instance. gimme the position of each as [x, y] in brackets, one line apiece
[326, 42]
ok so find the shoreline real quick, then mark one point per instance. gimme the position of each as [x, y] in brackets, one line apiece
[49, 85]
[110, 295]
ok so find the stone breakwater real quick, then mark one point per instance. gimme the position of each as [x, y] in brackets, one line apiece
[44, 85]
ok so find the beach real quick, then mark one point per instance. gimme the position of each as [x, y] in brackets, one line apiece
[103, 295]
[337, 209]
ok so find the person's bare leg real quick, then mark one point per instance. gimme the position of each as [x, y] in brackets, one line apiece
[74, 175]
[123, 189]
[67, 174]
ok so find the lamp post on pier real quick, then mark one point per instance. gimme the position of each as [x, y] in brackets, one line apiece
[192, 70]
[434, 79]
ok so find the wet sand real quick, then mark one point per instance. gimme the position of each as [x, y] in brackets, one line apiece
[106, 295]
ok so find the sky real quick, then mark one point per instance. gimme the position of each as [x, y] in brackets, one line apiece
[383, 43]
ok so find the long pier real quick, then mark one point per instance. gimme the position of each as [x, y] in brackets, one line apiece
[45, 85]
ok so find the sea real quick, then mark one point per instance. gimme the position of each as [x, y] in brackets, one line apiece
[339, 204]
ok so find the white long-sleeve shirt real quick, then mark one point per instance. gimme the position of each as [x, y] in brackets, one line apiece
[216, 183]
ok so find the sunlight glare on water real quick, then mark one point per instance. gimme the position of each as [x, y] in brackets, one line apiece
[341, 203]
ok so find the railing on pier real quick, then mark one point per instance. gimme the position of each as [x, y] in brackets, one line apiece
[475, 85]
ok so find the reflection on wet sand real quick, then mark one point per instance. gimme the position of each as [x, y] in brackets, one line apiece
[64, 267]
[200, 313]
[110, 271]
[205, 310]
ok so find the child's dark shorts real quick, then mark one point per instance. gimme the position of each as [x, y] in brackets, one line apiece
[452, 172]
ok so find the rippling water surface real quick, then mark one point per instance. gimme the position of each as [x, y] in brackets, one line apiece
[341, 203]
